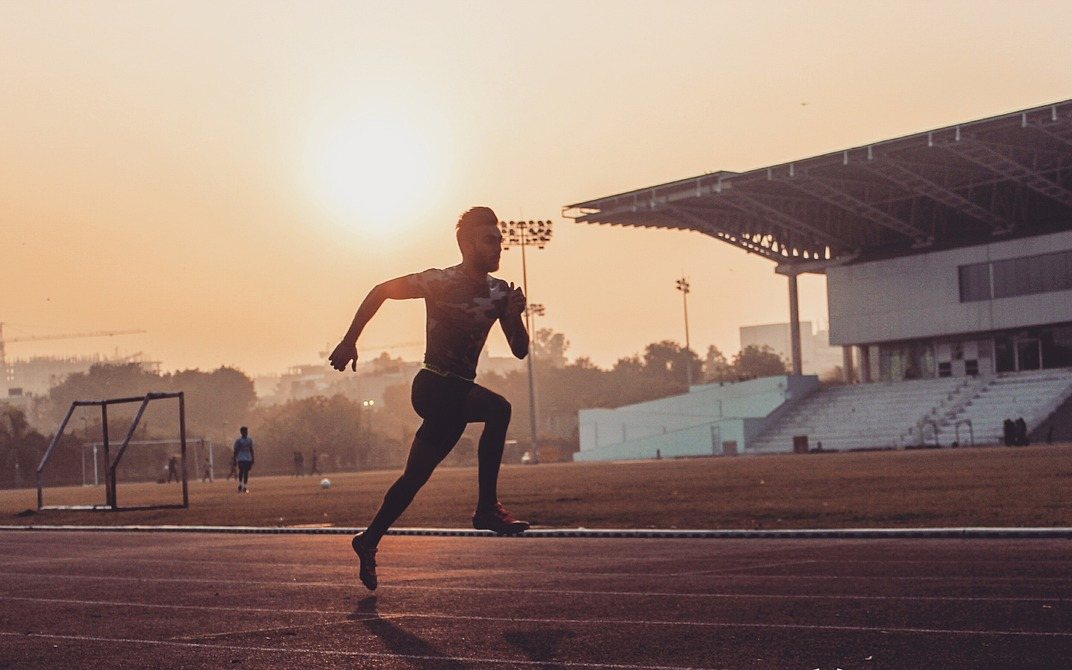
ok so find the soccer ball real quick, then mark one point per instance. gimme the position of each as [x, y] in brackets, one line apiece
[325, 483]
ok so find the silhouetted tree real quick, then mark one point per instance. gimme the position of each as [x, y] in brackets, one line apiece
[21, 448]
[753, 361]
[550, 348]
[716, 367]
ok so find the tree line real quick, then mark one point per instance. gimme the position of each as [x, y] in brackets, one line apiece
[346, 435]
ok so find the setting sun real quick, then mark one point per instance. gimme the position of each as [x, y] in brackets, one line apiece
[375, 173]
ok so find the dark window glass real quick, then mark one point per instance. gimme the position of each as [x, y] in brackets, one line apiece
[971, 367]
[1029, 275]
[974, 282]
[1057, 347]
[1027, 353]
[1004, 356]
[945, 369]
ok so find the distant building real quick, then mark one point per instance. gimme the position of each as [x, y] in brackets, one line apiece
[373, 378]
[817, 356]
[35, 376]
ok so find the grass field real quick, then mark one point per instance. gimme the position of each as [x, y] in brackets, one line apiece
[1029, 486]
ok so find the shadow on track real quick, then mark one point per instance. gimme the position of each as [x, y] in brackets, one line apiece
[539, 645]
[398, 640]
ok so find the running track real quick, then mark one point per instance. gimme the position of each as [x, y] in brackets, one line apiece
[193, 600]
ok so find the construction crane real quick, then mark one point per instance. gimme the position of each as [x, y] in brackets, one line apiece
[64, 336]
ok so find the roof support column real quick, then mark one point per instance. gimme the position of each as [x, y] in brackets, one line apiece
[847, 370]
[794, 324]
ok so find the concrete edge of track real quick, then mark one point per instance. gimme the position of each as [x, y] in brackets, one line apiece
[653, 533]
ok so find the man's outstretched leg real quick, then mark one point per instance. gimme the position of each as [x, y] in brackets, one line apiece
[422, 461]
[494, 411]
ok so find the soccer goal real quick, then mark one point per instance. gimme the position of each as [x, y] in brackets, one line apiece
[111, 464]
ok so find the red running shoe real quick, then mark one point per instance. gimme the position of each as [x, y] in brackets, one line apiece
[498, 520]
[367, 572]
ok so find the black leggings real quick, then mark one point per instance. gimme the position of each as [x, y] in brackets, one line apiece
[243, 472]
[446, 404]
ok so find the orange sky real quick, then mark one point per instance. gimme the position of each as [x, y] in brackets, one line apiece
[233, 177]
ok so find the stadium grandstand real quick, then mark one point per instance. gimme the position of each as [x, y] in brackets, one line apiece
[948, 264]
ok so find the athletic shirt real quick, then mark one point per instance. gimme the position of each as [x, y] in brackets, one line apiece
[243, 448]
[460, 311]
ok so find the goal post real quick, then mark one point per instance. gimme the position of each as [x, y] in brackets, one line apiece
[112, 464]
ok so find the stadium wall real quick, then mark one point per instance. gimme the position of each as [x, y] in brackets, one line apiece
[920, 296]
[699, 423]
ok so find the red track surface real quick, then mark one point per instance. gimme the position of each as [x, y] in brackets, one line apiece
[105, 600]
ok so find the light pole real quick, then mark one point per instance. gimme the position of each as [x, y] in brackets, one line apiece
[683, 286]
[523, 234]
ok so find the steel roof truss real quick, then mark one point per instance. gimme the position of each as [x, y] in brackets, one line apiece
[980, 153]
[818, 187]
[731, 237]
[756, 207]
[916, 184]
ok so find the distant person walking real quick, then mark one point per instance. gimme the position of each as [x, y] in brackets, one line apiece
[462, 304]
[314, 467]
[243, 458]
[173, 469]
[299, 464]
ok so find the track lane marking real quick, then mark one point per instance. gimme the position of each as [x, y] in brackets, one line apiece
[454, 571]
[357, 654]
[572, 592]
[362, 616]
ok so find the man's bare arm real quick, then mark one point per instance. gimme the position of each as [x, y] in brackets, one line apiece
[513, 327]
[399, 288]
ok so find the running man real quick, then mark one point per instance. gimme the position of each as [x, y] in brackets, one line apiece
[462, 303]
[243, 457]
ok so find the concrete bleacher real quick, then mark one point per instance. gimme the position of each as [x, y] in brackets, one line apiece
[1032, 395]
[911, 413]
[862, 416]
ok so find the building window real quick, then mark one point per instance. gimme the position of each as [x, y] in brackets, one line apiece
[1057, 347]
[1004, 355]
[974, 282]
[1016, 276]
[971, 367]
[945, 369]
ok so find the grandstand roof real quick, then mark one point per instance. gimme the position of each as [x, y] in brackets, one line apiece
[1000, 177]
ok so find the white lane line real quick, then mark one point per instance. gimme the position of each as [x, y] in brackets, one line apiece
[356, 654]
[230, 609]
[271, 629]
[612, 622]
[327, 566]
[509, 571]
[570, 592]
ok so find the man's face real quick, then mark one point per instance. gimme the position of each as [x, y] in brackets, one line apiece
[485, 247]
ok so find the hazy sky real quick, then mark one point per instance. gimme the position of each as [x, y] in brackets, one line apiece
[233, 177]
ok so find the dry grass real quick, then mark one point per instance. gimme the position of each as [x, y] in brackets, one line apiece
[1029, 486]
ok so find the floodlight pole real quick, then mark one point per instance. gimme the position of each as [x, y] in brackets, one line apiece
[683, 286]
[522, 234]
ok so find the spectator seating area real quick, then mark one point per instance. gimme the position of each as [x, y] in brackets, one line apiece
[1031, 395]
[912, 413]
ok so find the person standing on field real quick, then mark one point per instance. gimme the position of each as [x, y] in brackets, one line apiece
[462, 303]
[243, 458]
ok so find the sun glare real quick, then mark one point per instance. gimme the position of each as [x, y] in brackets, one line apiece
[376, 173]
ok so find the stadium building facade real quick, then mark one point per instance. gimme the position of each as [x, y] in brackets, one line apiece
[947, 253]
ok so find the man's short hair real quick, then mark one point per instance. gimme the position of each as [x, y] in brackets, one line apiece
[473, 219]
[243, 429]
